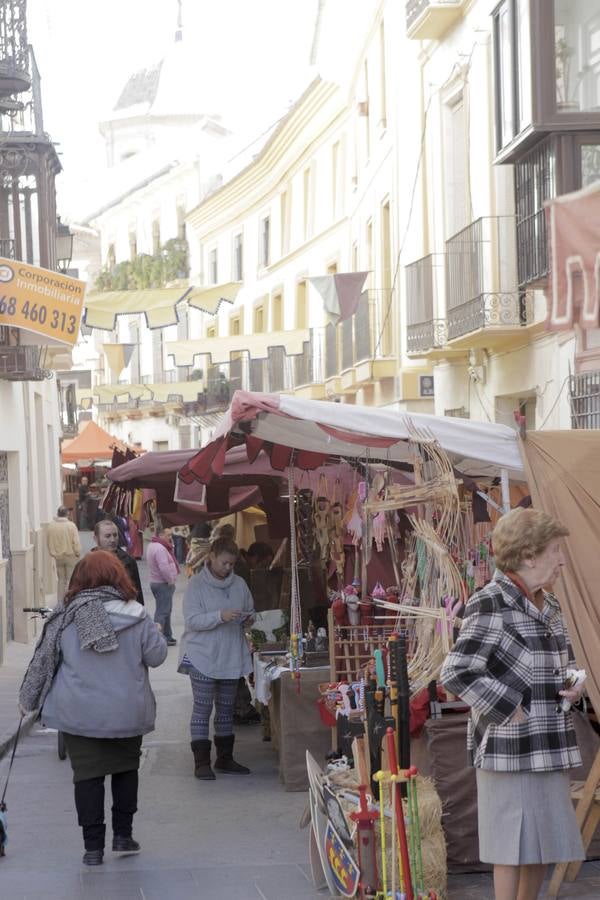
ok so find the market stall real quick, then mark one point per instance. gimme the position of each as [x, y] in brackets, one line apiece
[458, 476]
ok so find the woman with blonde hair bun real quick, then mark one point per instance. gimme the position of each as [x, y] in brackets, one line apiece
[510, 665]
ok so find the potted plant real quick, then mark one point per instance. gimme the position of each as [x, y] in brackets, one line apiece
[566, 92]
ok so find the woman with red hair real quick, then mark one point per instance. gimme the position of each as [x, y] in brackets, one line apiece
[89, 678]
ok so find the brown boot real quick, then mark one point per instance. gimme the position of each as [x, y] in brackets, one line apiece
[202, 769]
[225, 761]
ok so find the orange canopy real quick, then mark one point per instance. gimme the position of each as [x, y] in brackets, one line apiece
[92, 443]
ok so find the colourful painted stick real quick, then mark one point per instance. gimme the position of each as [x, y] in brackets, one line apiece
[402, 841]
[367, 854]
[416, 827]
[379, 777]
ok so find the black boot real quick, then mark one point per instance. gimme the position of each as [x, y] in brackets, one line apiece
[225, 761]
[202, 769]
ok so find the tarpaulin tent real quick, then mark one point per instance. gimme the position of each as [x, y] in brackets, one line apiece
[92, 443]
[563, 472]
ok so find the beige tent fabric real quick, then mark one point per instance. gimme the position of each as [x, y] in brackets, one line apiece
[563, 471]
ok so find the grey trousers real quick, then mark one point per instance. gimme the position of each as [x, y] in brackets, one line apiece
[163, 594]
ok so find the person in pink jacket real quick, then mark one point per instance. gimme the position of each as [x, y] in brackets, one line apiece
[163, 569]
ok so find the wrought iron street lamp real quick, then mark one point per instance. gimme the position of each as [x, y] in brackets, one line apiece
[64, 246]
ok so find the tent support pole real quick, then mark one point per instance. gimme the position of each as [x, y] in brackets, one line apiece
[505, 490]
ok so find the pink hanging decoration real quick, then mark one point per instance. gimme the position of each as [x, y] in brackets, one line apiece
[379, 530]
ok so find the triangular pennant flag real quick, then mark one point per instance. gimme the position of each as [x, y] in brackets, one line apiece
[118, 356]
[341, 293]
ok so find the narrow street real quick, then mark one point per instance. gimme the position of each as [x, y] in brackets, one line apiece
[231, 838]
[234, 838]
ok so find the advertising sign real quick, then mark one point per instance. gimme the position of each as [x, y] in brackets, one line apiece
[41, 301]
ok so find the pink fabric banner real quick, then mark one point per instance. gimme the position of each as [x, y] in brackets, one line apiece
[573, 222]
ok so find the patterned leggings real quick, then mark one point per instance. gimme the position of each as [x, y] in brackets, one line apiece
[206, 691]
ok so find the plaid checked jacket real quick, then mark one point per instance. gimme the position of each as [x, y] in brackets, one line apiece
[508, 653]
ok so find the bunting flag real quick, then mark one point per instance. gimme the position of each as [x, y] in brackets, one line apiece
[340, 293]
[574, 260]
[118, 356]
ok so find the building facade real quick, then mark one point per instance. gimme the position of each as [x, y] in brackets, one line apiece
[30, 488]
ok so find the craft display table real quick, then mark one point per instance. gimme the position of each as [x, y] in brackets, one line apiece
[296, 725]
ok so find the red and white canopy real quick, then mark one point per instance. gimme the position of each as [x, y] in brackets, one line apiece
[306, 432]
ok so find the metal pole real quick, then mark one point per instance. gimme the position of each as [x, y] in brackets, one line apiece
[505, 490]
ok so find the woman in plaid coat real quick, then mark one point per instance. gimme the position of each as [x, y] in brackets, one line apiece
[509, 664]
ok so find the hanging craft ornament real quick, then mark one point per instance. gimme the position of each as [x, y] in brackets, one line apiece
[295, 602]
[304, 526]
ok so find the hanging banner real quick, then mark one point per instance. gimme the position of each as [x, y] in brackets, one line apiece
[41, 301]
[340, 293]
[118, 356]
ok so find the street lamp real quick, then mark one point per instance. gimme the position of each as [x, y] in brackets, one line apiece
[64, 246]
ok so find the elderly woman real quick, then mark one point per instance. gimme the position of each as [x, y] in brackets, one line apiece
[89, 677]
[509, 664]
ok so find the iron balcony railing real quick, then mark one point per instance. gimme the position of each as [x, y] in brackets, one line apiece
[7, 248]
[584, 397]
[535, 182]
[14, 50]
[356, 339]
[23, 363]
[481, 279]
[424, 331]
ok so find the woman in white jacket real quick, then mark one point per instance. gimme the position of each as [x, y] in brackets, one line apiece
[217, 607]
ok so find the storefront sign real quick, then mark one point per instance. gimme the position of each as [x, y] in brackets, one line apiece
[41, 301]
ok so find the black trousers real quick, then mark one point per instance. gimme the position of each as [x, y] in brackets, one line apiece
[89, 803]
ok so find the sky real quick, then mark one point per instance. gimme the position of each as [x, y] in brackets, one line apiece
[254, 55]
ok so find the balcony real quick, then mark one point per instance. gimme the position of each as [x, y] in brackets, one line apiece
[425, 334]
[354, 354]
[584, 397]
[14, 52]
[484, 306]
[430, 19]
[23, 363]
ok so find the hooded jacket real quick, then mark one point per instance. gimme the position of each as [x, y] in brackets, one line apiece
[108, 694]
[217, 649]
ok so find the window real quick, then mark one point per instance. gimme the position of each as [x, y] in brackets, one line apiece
[211, 331]
[457, 160]
[132, 245]
[277, 312]
[285, 218]
[363, 110]
[265, 241]
[160, 446]
[180, 214]
[301, 305]
[382, 99]
[577, 55]
[238, 258]
[369, 266]
[235, 325]
[259, 319]
[535, 182]
[589, 164]
[335, 174]
[306, 223]
[213, 269]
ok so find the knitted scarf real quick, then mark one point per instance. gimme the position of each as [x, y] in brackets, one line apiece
[158, 540]
[94, 630]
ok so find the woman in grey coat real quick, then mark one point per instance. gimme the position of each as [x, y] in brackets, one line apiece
[89, 678]
[510, 665]
[217, 606]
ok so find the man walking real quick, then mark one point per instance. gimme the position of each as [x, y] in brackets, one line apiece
[62, 539]
[163, 569]
[106, 535]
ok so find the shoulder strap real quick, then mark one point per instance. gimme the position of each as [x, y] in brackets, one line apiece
[10, 765]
